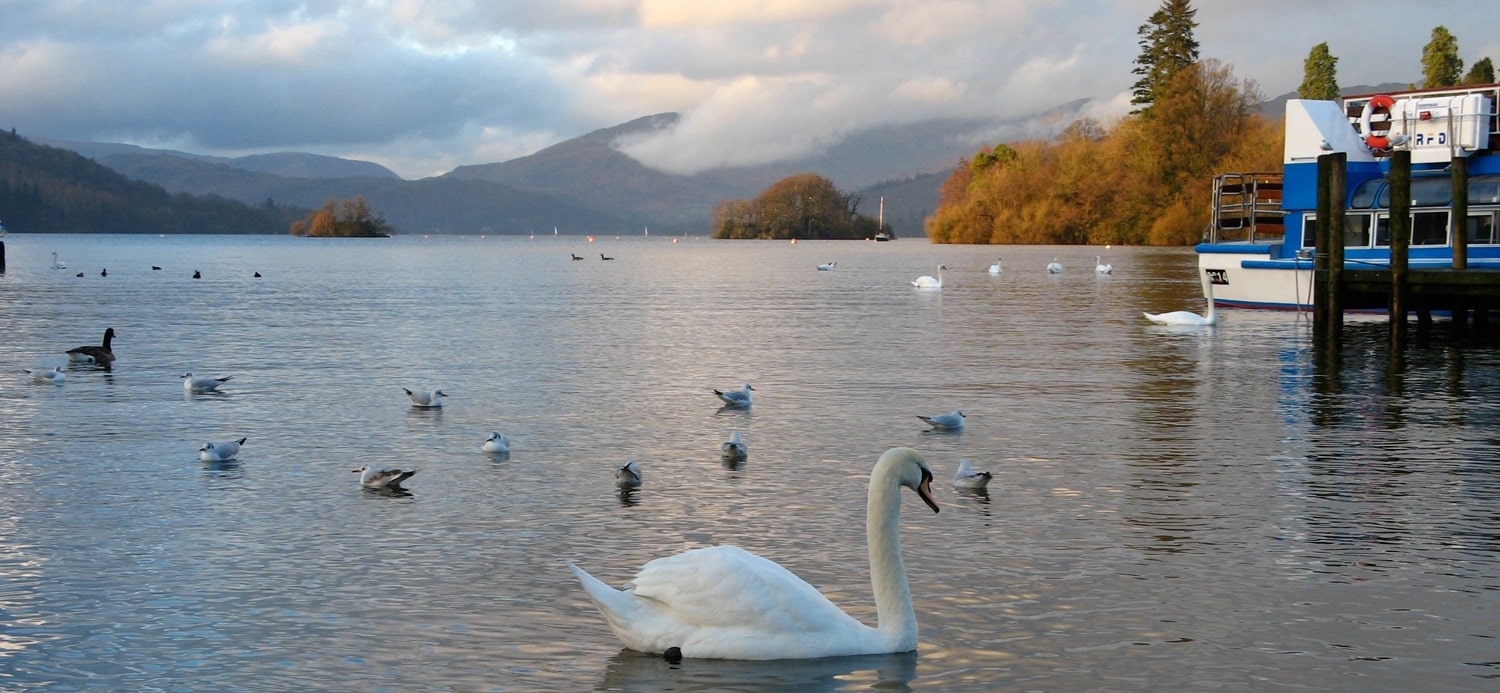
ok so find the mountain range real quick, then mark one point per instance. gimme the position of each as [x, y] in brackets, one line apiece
[588, 185]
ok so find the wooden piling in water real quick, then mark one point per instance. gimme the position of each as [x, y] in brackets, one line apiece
[1400, 222]
[1328, 261]
[1458, 224]
[2, 257]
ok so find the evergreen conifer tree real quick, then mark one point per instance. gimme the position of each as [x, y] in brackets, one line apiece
[1167, 46]
[1319, 75]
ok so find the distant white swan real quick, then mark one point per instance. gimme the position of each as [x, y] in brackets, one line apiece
[724, 602]
[628, 475]
[496, 443]
[966, 477]
[426, 400]
[927, 282]
[734, 449]
[736, 398]
[383, 477]
[1054, 267]
[1102, 268]
[951, 421]
[56, 263]
[827, 266]
[220, 452]
[56, 376]
[202, 383]
[1189, 318]
[996, 268]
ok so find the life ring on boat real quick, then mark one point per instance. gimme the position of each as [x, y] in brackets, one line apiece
[1380, 104]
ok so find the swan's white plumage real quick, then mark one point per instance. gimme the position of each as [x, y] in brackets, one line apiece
[429, 400]
[996, 268]
[1101, 267]
[966, 477]
[736, 398]
[56, 263]
[734, 449]
[1054, 267]
[952, 420]
[927, 282]
[727, 603]
[220, 452]
[1188, 318]
[202, 383]
[496, 443]
[827, 266]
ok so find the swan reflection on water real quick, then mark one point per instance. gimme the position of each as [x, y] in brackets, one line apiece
[627, 497]
[635, 671]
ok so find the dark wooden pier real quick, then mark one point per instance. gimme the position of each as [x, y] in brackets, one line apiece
[1468, 293]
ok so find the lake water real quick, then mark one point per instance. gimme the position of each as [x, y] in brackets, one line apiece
[1171, 510]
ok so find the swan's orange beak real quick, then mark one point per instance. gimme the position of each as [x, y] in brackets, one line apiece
[924, 490]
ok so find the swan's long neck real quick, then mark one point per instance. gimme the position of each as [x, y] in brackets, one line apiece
[896, 618]
[1208, 292]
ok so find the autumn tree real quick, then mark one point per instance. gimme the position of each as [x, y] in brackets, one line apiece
[1441, 65]
[1167, 46]
[1482, 72]
[805, 205]
[349, 218]
[1319, 75]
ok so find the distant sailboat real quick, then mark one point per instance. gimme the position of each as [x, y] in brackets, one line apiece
[880, 234]
[554, 230]
[648, 231]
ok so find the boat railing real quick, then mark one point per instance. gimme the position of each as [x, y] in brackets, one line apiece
[1246, 207]
[1354, 107]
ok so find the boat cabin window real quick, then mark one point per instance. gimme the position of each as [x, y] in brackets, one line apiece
[1427, 228]
[1356, 231]
[1366, 194]
[1481, 229]
[1425, 192]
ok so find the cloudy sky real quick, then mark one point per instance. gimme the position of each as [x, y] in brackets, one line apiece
[422, 86]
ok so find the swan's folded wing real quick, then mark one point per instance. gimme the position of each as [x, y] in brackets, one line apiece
[728, 587]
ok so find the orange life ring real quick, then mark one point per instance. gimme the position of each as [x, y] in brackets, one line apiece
[1378, 104]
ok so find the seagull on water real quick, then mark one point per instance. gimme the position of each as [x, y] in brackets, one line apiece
[951, 421]
[734, 449]
[56, 376]
[496, 443]
[383, 477]
[426, 400]
[736, 398]
[966, 477]
[220, 452]
[628, 475]
[203, 383]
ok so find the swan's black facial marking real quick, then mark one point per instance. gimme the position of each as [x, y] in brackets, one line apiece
[924, 490]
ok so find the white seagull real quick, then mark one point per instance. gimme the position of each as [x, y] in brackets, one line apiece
[220, 452]
[202, 383]
[723, 602]
[736, 398]
[927, 282]
[966, 477]
[496, 443]
[734, 450]
[951, 421]
[628, 475]
[1054, 267]
[56, 376]
[428, 400]
[1188, 318]
[1102, 268]
[383, 477]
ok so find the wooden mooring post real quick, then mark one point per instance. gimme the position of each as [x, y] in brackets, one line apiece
[1328, 261]
[1400, 223]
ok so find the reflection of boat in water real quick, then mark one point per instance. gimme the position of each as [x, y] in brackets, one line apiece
[635, 671]
[1259, 247]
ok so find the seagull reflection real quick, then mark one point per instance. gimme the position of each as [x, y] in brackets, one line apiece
[627, 497]
[636, 671]
[224, 468]
[980, 496]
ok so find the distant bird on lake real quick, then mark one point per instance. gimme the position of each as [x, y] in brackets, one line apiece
[220, 452]
[575, 257]
[927, 282]
[56, 263]
[80, 274]
[202, 383]
[101, 354]
[496, 443]
[196, 275]
[951, 421]
[996, 268]
[1186, 318]
[104, 272]
[155, 268]
[736, 398]
[628, 475]
[734, 450]
[257, 275]
[56, 376]
[602, 256]
[428, 400]
[1054, 267]
[383, 478]
[1102, 268]
[966, 477]
[827, 266]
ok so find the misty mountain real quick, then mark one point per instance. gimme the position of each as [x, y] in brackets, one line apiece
[289, 164]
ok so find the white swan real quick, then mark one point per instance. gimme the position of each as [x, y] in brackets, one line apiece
[496, 443]
[827, 266]
[726, 603]
[966, 477]
[202, 383]
[1102, 268]
[1054, 267]
[1189, 318]
[734, 449]
[56, 376]
[927, 282]
[951, 421]
[628, 475]
[383, 477]
[220, 452]
[736, 398]
[56, 263]
[427, 400]
[996, 268]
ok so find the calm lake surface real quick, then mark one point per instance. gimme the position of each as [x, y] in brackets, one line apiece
[1172, 509]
